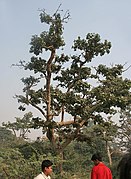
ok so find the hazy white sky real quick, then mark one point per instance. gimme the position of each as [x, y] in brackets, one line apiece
[19, 20]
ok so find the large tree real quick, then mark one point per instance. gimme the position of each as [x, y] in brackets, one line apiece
[66, 89]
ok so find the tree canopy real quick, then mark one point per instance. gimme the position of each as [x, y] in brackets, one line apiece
[66, 89]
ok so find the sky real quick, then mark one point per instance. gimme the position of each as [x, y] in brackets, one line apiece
[19, 20]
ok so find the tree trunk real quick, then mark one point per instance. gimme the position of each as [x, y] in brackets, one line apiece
[60, 163]
[108, 153]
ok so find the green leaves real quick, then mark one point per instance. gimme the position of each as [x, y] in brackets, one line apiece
[51, 39]
[37, 44]
[107, 72]
[67, 91]
[91, 46]
[45, 18]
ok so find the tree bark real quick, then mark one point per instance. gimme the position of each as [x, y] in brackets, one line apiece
[108, 153]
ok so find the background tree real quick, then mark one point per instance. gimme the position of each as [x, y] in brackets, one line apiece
[66, 89]
[124, 133]
[107, 132]
[21, 127]
[101, 137]
[21, 158]
[6, 137]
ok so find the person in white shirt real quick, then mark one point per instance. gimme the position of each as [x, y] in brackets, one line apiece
[46, 167]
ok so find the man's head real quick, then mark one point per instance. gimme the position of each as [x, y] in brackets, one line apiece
[46, 167]
[96, 158]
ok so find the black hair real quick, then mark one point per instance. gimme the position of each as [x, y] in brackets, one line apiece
[124, 167]
[46, 163]
[96, 156]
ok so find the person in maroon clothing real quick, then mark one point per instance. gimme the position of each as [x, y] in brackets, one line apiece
[100, 170]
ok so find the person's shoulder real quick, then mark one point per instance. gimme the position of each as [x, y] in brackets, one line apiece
[94, 168]
[101, 164]
[39, 176]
